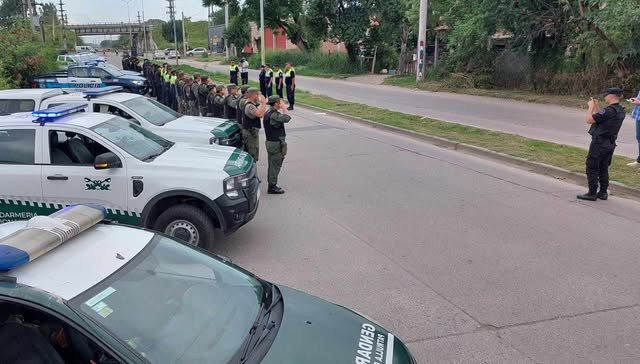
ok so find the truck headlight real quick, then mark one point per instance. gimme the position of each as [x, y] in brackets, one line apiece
[232, 185]
[138, 83]
[213, 140]
[219, 140]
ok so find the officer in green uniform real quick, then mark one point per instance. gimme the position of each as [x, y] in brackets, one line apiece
[219, 102]
[605, 125]
[193, 101]
[242, 101]
[256, 106]
[210, 99]
[273, 123]
[180, 92]
[187, 95]
[231, 102]
[203, 92]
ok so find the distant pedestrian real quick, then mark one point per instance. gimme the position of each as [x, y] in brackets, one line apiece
[636, 116]
[233, 73]
[605, 125]
[261, 79]
[279, 80]
[290, 84]
[254, 109]
[268, 80]
[273, 123]
[244, 71]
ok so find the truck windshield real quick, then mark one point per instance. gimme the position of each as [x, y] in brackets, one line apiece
[175, 304]
[133, 139]
[151, 110]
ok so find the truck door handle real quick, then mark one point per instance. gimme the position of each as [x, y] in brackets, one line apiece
[57, 177]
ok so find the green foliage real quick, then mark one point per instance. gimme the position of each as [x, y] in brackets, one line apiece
[311, 63]
[167, 31]
[24, 55]
[238, 33]
[9, 9]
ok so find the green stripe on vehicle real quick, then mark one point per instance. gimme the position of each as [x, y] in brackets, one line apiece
[226, 129]
[16, 210]
[239, 162]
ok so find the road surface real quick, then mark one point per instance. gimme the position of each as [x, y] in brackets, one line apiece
[545, 122]
[465, 259]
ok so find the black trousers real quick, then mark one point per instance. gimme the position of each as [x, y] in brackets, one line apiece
[278, 88]
[245, 78]
[598, 162]
[291, 95]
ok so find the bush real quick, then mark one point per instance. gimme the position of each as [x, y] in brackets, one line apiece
[23, 55]
[310, 63]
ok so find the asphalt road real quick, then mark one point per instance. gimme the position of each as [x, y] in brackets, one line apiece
[545, 122]
[466, 260]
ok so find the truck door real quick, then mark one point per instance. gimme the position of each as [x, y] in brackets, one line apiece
[69, 175]
[80, 79]
[20, 187]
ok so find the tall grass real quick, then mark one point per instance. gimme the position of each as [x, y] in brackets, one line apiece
[311, 63]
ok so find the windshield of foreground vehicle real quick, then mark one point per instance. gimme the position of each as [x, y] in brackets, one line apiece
[151, 110]
[174, 304]
[133, 139]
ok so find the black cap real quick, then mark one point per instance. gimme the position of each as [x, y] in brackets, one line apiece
[613, 91]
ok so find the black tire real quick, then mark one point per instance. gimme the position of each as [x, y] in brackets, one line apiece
[187, 223]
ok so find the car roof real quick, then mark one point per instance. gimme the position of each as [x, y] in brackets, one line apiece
[29, 93]
[81, 119]
[78, 96]
[81, 262]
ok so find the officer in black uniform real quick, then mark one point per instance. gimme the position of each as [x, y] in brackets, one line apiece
[605, 125]
[261, 79]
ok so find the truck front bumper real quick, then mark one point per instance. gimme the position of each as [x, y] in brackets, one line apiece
[239, 211]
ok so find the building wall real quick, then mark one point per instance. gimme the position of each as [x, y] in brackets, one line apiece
[278, 40]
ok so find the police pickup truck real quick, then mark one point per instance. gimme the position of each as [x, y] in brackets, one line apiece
[76, 290]
[138, 109]
[82, 77]
[59, 156]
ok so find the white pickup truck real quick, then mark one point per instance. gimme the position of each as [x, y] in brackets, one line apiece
[138, 109]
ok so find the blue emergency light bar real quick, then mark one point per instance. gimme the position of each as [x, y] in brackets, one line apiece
[55, 112]
[101, 91]
[44, 233]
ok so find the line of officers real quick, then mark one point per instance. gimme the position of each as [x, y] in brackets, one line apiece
[198, 96]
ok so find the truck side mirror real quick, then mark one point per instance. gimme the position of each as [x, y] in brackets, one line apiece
[107, 161]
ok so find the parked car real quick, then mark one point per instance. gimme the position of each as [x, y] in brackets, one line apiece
[197, 52]
[159, 54]
[173, 54]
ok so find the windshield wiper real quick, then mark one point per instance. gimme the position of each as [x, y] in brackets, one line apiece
[276, 297]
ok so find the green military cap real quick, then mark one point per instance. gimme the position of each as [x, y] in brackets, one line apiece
[252, 90]
[232, 86]
[273, 99]
[211, 87]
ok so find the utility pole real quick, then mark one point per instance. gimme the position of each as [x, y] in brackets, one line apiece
[184, 37]
[262, 50]
[422, 37]
[62, 21]
[226, 25]
[172, 16]
[144, 31]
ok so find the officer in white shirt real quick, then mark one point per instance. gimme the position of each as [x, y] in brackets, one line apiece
[244, 71]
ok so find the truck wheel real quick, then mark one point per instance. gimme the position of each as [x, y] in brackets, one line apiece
[187, 223]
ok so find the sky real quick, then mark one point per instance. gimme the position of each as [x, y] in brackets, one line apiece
[115, 11]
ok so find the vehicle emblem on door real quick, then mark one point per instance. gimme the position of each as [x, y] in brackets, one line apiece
[98, 185]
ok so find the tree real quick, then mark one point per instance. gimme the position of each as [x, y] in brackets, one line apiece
[239, 33]
[167, 31]
[10, 8]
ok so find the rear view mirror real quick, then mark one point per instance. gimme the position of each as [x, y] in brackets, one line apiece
[107, 161]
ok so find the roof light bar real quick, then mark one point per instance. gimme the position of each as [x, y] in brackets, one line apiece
[44, 233]
[102, 91]
[55, 112]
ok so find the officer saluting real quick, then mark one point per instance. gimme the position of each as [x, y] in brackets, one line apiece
[605, 125]
[273, 122]
[251, 121]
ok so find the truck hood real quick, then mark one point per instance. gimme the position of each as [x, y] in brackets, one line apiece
[316, 331]
[185, 128]
[203, 158]
[129, 77]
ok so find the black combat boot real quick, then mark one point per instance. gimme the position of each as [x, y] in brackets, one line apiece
[603, 195]
[592, 195]
[275, 190]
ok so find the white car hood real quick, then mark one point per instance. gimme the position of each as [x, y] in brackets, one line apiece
[197, 157]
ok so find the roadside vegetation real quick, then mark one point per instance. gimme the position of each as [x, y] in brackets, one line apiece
[558, 155]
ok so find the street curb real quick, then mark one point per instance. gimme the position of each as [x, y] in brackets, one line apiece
[540, 168]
